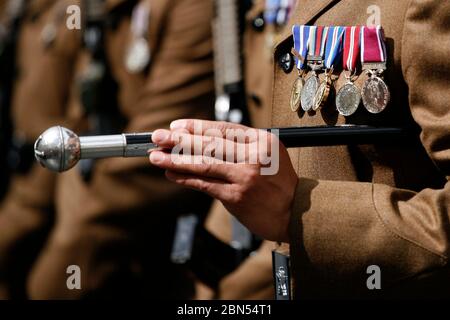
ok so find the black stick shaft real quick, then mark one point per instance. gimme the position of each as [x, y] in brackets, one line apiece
[301, 137]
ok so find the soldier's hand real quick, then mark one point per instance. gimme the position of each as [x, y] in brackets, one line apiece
[247, 169]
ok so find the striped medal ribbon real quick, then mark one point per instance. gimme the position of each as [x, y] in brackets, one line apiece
[301, 38]
[333, 49]
[315, 60]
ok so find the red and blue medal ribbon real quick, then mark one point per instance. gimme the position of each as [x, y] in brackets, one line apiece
[333, 47]
[317, 41]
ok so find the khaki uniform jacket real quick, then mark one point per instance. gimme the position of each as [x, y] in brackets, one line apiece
[40, 94]
[358, 206]
[118, 228]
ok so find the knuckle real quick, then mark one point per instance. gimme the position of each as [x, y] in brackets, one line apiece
[251, 176]
[236, 196]
[222, 126]
[209, 147]
[203, 186]
[206, 169]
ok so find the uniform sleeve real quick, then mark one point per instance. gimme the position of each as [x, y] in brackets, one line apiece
[339, 229]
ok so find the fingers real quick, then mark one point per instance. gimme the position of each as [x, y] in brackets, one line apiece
[215, 188]
[226, 130]
[163, 139]
[192, 165]
[230, 142]
[213, 147]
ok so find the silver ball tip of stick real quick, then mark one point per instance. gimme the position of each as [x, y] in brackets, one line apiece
[57, 149]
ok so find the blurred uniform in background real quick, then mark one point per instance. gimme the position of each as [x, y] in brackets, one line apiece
[143, 64]
[42, 54]
[253, 277]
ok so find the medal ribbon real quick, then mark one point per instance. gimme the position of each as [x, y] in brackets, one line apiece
[373, 45]
[291, 7]
[283, 11]
[140, 19]
[312, 40]
[333, 45]
[352, 43]
[322, 35]
[321, 39]
[270, 14]
[301, 38]
[278, 11]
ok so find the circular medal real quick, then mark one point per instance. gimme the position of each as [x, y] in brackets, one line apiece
[348, 99]
[138, 55]
[375, 95]
[309, 92]
[321, 96]
[296, 93]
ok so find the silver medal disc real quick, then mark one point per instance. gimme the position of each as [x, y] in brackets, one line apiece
[375, 95]
[138, 55]
[348, 99]
[309, 92]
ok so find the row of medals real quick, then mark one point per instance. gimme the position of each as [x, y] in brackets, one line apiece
[312, 94]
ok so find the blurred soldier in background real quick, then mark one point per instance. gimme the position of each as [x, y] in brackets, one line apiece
[38, 52]
[144, 64]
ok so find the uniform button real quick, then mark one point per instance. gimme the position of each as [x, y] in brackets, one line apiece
[259, 23]
[286, 62]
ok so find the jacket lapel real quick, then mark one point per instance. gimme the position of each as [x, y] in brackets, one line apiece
[308, 10]
[305, 12]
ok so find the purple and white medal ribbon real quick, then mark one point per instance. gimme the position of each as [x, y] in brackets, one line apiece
[375, 93]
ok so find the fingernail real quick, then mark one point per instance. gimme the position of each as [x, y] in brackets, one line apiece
[160, 136]
[178, 124]
[156, 157]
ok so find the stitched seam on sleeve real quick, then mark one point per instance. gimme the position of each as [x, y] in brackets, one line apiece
[399, 236]
[405, 71]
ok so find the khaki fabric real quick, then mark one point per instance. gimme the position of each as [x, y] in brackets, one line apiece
[41, 91]
[359, 206]
[118, 228]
